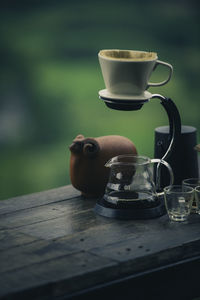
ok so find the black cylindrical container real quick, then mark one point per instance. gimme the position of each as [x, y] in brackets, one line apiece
[183, 159]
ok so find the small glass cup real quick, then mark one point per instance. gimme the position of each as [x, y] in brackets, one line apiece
[197, 198]
[178, 202]
[192, 182]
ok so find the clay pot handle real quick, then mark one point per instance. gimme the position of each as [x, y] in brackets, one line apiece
[91, 148]
[76, 147]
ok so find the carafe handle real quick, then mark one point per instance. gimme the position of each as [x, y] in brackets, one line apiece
[171, 174]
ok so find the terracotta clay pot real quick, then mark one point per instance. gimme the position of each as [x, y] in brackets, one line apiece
[87, 162]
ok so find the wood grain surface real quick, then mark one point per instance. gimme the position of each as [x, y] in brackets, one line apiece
[53, 244]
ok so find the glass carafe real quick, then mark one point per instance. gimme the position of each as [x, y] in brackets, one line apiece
[131, 182]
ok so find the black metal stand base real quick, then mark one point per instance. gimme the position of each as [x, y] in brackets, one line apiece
[130, 213]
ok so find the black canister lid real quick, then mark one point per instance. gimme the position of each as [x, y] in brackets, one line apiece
[184, 129]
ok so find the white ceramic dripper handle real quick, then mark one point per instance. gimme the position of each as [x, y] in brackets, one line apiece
[159, 62]
[171, 174]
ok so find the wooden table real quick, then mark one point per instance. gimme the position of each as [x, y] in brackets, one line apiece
[53, 246]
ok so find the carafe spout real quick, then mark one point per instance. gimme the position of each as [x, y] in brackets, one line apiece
[109, 163]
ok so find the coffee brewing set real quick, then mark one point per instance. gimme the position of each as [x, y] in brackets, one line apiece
[109, 167]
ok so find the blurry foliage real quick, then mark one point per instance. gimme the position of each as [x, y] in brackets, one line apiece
[50, 77]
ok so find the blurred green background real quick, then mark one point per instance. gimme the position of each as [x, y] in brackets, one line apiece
[50, 77]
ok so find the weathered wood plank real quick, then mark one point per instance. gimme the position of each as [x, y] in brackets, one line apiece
[32, 253]
[104, 233]
[56, 277]
[51, 211]
[158, 237]
[38, 199]
[66, 274]
[11, 239]
[60, 246]
[62, 226]
[120, 240]
[129, 240]
[54, 220]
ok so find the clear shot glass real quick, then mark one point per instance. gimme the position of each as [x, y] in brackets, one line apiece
[178, 202]
[197, 199]
[192, 182]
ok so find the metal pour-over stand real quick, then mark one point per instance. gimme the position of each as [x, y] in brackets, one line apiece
[103, 208]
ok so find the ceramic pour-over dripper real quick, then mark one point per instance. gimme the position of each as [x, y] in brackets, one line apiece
[126, 73]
